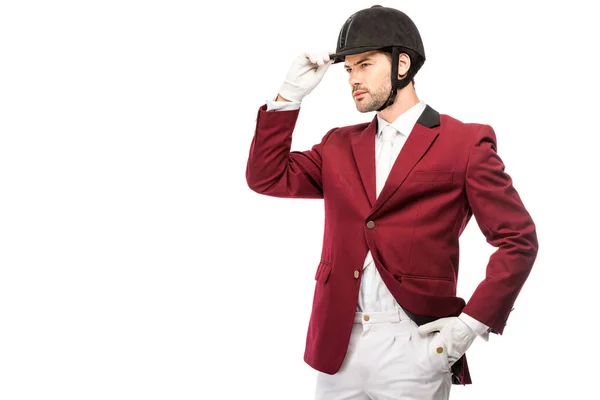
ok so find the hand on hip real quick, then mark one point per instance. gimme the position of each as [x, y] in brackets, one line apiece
[456, 336]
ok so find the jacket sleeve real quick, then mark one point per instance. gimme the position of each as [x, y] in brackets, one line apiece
[506, 224]
[273, 169]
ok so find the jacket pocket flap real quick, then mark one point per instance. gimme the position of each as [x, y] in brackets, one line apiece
[323, 271]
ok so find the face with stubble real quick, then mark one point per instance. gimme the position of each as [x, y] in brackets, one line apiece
[369, 75]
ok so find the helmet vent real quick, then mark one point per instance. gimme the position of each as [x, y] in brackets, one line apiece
[344, 33]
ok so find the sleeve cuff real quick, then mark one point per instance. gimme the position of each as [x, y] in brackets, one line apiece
[273, 105]
[482, 330]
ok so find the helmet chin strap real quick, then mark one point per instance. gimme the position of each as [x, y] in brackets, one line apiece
[396, 83]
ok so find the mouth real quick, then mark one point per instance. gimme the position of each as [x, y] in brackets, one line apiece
[359, 93]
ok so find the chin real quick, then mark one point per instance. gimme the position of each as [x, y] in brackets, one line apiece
[360, 107]
[363, 109]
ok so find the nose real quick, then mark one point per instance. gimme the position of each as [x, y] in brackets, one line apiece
[354, 79]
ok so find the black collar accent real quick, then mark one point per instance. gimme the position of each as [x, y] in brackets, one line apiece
[429, 118]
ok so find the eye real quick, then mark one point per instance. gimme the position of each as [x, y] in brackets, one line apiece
[348, 70]
[364, 65]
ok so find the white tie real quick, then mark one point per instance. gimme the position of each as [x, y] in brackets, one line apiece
[382, 169]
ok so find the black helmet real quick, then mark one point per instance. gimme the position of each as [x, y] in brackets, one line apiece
[386, 29]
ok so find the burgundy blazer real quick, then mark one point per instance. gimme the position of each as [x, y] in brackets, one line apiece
[446, 172]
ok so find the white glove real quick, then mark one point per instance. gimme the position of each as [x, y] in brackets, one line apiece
[456, 336]
[304, 75]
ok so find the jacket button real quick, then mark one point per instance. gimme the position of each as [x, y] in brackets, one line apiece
[356, 274]
[371, 224]
[440, 350]
[366, 318]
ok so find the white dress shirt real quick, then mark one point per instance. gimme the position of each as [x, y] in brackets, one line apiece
[374, 296]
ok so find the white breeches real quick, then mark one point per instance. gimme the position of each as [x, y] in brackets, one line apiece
[388, 359]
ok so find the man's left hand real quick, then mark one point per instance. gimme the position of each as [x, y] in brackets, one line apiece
[455, 334]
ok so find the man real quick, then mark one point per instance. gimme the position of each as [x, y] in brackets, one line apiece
[386, 322]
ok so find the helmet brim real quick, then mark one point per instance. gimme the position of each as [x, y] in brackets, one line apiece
[341, 55]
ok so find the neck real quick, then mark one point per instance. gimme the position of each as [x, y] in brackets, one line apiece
[405, 99]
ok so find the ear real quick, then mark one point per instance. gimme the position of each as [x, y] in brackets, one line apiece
[403, 65]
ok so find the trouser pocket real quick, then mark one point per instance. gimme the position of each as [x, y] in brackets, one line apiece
[437, 353]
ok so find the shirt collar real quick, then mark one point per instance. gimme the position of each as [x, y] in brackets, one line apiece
[405, 122]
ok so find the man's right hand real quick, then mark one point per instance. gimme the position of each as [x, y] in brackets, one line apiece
[304, 75]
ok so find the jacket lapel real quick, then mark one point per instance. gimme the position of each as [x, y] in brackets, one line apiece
[363, 149]
[420, 139]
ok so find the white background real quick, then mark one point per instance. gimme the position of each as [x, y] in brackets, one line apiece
[135, 263]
